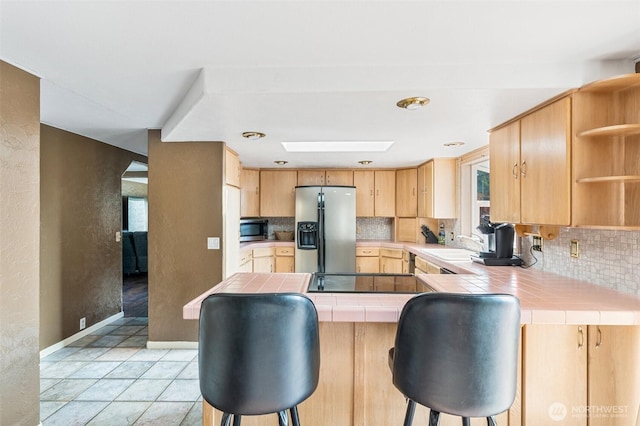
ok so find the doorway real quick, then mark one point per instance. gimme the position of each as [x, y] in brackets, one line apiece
[135, 219]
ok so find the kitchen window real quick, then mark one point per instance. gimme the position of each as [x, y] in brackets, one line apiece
[475, 196]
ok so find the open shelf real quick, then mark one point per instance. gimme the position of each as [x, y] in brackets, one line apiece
[617, 130]
[621, 82]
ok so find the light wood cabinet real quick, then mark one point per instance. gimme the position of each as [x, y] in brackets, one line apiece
[285, 261]
[367, 259]
[425, 267]
[375, 193]
[325, 177]
[364, 181]
[437, 188]
[390, 261]
[249, 193]
[246, 261]
[277, 193]
[231, 168]
[407, 193]
[264, 259]
[406, 229]
[606, 149]
[540, 171]
[590, 371]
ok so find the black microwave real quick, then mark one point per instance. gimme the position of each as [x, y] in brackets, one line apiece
[253, 229]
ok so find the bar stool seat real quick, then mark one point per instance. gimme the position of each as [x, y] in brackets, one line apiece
[457, 354]
[258, 354]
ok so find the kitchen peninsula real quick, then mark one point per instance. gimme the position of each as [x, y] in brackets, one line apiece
[580, 345]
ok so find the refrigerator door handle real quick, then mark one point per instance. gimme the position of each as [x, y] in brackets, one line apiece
[321, 247]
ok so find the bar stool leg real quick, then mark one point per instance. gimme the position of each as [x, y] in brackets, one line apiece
[236, 419]
[411, 409]
[226, 419]
[491, 421]
[283, 420]
[434, 418]
[295, 420]
[466, 421]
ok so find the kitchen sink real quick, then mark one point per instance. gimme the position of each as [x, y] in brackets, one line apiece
[450, 255]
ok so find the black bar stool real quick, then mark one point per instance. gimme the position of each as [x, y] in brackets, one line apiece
[258, 354]
[457, 354]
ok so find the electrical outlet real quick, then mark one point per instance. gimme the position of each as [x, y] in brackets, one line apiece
[83, 323]
[537, 243]
[575, 249]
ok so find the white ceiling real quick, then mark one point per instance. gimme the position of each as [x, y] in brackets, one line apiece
[311, 71]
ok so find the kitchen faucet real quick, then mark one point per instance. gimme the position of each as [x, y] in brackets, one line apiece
[473, 238]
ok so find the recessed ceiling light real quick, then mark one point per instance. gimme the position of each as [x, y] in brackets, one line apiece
[337, 146]
[454, 144]
[280, 162]
[413, 103]
[365, 162]
[253, 135]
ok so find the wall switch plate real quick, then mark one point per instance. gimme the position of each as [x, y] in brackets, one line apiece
[83, 323]
[213, 243]
[575, 251]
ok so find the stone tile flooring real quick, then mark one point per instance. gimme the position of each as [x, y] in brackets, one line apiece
[109, 378]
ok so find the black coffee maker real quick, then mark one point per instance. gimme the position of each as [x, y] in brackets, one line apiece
[498, 244]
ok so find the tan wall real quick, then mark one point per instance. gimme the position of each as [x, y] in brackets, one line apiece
[134, 189]
[19, 246]
[185, 207]
[81, 206]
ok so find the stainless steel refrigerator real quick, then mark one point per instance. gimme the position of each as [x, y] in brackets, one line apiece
[325, 239]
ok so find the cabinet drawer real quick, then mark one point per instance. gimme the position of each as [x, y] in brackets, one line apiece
[245, 257]
[284, 251]
[427, 267]
[263, 252]
[367, 251]
[397, 254]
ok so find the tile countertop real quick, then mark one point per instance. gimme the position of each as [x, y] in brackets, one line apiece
[545, 298]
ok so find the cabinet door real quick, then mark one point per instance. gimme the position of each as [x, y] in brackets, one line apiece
[614, 374]
[311, 177]
[249, 193]
[277, 193]
[385, 194]
[504, 151]
[444, 187]
[545, 165]
[285, 264]
[231, 168]
[364, 181]
[339, 177]
[554, 377]
[263, 264]
[368, 264]
[406, 193]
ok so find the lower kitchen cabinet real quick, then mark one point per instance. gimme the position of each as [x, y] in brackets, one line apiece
[426, 267]
[390, 261]
[246, 261]
[581, 375]
[285, 261]
[367, 259]
[264, 259]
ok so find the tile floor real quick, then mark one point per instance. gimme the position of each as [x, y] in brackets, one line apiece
[109, 378]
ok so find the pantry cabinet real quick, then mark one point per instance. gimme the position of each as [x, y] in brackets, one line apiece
[375, 193]
[531, 172]
[437, 188]
[277, 193]
[407, 193]
[249, 193]
[606, 186]
[231, 168]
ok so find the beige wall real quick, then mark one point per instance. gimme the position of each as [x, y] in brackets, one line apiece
[19, 246]
[185, 207]
[134, 189]
[81, 206]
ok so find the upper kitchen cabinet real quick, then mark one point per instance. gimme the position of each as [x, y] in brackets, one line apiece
[278, 193]
[231, 168]
[249, 193]
[532, 185]
[325, 177]
[606, 149]
[437, 188]
[375, 193]
[407, 193]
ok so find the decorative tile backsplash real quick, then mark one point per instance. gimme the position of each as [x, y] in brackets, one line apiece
[607, 258]
[374, 228]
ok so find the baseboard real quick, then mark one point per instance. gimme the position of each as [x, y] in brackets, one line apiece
[172, 345]
[79, 335]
